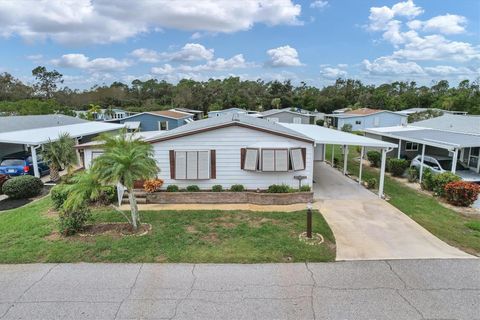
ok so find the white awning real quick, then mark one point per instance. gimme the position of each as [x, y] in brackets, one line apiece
[44, 135]
[324, 135]
[132, 125]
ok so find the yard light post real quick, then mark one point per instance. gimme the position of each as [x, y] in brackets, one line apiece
[309, 220]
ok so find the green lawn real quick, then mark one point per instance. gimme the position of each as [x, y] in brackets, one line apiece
[177, 236]
[457, 230]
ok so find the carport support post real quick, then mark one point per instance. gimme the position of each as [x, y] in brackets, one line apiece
[382, 173]
[361, 165]
[399, 148]
[333, 155]
[454, 161]
[421, 164]
[345, 158]
[34, 161]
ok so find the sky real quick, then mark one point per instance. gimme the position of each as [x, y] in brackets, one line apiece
[315, 41]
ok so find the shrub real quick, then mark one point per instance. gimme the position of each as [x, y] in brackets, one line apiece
[152, 185]
[347, 127]
[193, 188]
[397, 167]
[59, 195]
[374, 157]
[412, 174]
[371, 183]
[108, 195]
[72, 221]
[217, 188]
[237, 188]
[335, 161]
[427, 179]
[320, 122]
[22, 187]
[441, 180]
[278, 188]
[305, 188]
[461, 193]
[172, 188]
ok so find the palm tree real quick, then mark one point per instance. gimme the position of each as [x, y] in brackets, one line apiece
[276, 102]
[109, 113]
[125, 160]
[94, 110]
[85, 186]
[58, 154]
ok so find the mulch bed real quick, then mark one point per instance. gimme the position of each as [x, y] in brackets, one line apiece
[115, 229]
[8, 204]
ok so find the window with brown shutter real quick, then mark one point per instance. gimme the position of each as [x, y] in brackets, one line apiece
[213, 164]
[191, 165]
[172, 163]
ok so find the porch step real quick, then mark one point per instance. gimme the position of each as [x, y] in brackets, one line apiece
[139, 194]
[139, 201]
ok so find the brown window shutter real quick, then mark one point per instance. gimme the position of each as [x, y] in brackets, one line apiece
[172, 164]
[304, 156]
[243, 153]
[213, 164]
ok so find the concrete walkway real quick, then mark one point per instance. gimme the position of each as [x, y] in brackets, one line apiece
[411, 289]
[368, 228]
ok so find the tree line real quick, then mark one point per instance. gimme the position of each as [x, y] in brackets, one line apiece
[47, 95]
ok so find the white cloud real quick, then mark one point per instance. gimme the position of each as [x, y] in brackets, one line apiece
[445, 71]
[381, 16]
[333, 73]
[105, 21]
[319, 4]
[218, 64]
[285, 56]
[446, 24]
[166, 69]
[80, 61]
[189, 52]
[391, 66]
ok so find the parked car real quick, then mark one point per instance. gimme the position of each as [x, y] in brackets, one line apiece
[442, 164]
[3, 178]
[20, 163]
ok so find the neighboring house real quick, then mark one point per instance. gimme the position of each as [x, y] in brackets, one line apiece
[197, 114]
[361, 119]
[228, 150]
[104, 115]
[451, 122]
[418, 110]
[340, 111]
[10, 124]
[287, 116]
[216, 113]
[412, 140]
[155, 120]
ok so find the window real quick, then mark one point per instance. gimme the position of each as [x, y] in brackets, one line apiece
[297, 120]
[96, 154]
[358, 122]
[192, 165]
[162, 125]
[297, 159]
[274, 160]
[273, 119]
[411, 146]
[251, 160]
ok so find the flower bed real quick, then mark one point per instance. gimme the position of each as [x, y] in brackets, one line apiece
[205, 197]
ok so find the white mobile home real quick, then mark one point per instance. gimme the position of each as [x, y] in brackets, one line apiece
[227, 150]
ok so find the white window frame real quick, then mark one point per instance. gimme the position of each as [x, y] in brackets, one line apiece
[257, 158]
[413, 147]
[297, 120]
[160, 125]
[302, 160]
[274, 159]
[185, 171]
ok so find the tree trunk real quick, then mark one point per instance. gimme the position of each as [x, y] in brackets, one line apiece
[54, 174]
[134, 209]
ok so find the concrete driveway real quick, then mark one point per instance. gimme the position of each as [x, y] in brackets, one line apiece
[368, 228]
[425, 289]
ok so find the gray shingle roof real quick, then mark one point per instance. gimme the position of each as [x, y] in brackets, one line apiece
[15, 123]
[231, 119]
[452, 122]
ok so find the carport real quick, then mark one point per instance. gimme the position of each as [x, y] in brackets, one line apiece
[324, 136]
[460, 146]
[33, 139]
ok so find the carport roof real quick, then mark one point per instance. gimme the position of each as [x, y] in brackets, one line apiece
[437, 138]
[44, 135]
[324, 135]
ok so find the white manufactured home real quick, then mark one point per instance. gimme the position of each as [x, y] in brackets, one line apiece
[228, 150]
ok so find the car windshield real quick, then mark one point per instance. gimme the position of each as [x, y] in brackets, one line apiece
[12, 162]
[447, 165]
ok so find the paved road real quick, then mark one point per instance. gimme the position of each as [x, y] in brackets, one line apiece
[368, 228]
[409, 289]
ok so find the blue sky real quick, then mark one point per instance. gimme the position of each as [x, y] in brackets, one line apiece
[316, 41]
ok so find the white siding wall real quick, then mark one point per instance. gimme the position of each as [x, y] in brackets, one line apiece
[227, 142]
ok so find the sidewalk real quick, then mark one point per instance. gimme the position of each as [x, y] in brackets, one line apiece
[408, 289]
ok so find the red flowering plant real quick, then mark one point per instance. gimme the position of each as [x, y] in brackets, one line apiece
[461, 193]
[152, 185]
